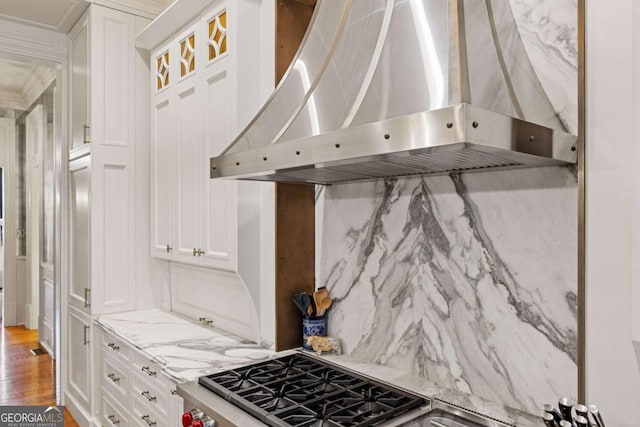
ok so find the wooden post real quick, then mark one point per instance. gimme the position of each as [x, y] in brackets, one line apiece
[295, 203]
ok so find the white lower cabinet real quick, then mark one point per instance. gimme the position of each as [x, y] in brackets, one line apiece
[111, 412]
[132, 389]
[79, 363]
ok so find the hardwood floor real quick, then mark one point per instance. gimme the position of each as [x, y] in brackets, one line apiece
[26, 379]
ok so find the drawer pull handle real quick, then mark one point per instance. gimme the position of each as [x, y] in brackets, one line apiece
[113, 419]
[113, 377]
[147, 419]
[113, 346]
[148, 371]
[147, 394]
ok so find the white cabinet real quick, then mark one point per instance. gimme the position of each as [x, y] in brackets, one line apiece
[79, 230]
[194, 219]
[131, 388]
[102, 187]
[79, 364]
[79, 83]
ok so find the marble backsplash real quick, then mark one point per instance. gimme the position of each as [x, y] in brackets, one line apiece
[468, 280]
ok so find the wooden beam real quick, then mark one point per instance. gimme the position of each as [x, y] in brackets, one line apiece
[295, 203]
[295, 258]
[292, 20]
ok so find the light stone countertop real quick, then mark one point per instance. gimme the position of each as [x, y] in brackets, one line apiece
[186, 351]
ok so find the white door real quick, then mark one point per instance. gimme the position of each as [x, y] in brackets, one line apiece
[79, 360]
[35, 131]
[163, 155]
[219, 198]
[7, 233]
[79, 238]
[189, 160]
[79, 66]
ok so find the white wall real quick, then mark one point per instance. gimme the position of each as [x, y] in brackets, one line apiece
[635, 184]
[613, 377]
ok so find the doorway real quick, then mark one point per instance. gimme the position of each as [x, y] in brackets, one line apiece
[30, 139]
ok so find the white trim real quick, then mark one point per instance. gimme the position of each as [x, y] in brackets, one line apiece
[28, 42]
[176, 16]
[64, 25]
[12, 99]
[39, 80]
[144, 8]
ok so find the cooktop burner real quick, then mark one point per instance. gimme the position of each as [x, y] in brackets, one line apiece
[298, 390]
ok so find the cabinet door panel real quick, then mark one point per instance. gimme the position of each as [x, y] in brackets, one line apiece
[79, 384]
[79, 80]
[113, 234]
[162, 193]
[189, 168]
[112, 68]
[80, 239]
[219, 213]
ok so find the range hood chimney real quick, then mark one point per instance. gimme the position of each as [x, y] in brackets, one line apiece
[383, 88]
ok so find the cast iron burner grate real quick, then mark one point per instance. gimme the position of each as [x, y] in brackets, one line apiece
[300, 391]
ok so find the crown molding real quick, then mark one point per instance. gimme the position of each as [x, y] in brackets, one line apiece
[27, 41]
[145, 8]
[70, 17]
[12, 99]
[37, 82]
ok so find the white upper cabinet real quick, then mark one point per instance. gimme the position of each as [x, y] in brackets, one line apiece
[102, 185]
[194, 219]
[79, 70]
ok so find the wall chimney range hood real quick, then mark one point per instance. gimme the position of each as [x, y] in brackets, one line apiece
[383, 88]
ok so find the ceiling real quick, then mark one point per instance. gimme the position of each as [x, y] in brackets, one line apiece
[57, 15]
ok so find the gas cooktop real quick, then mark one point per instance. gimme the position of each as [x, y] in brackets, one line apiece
[301, 391]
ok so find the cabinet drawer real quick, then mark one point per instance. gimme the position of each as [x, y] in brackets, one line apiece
[144, 417]
[149, 392]
[112, 414]
[148, 369]
[115, 378]
[113, 346]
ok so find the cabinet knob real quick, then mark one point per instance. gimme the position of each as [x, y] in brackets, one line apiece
[200, 252]
[147, 419]
[148, 371]
[113, 346]
[195, 252]
[169, 249]
[113, 419]
[113, 377]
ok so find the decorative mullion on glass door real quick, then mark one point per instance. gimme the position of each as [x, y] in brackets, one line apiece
[217, 35]
[162, 71]
[188, 55]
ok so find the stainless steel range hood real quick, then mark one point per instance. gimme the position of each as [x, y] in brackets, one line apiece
[384, 88]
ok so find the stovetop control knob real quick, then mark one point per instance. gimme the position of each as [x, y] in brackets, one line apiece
[189, 417]
[207, 421]
[198, 423]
